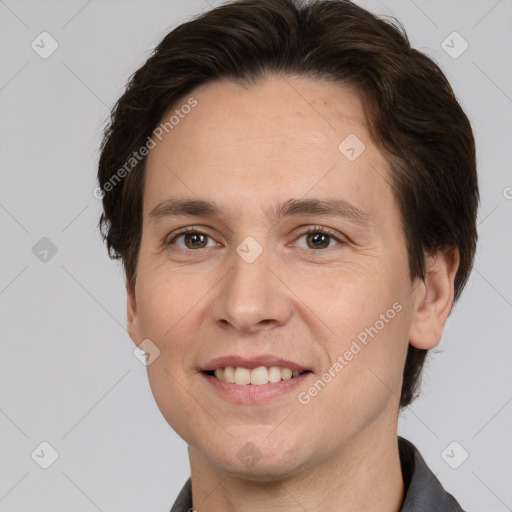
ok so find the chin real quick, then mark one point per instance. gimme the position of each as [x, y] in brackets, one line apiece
[263, 471]
[259, 464]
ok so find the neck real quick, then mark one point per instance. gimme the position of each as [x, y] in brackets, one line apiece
[364, 474]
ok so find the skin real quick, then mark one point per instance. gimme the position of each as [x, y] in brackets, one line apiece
[248, 148]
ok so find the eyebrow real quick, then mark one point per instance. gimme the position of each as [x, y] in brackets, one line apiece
[293, 207]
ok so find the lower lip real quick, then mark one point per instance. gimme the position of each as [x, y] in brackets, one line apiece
[252, 394]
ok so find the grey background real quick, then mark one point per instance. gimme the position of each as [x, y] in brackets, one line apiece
[68, 373]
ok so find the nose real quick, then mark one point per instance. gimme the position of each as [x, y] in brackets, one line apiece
[251, 297]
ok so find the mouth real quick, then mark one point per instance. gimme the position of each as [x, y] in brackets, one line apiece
[259, 376]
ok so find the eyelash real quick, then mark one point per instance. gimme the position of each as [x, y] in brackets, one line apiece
[310, 230]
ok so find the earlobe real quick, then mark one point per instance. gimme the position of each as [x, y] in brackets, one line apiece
[132, 318]
[434, 299]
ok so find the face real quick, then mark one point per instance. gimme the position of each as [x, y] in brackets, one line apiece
[245, 281]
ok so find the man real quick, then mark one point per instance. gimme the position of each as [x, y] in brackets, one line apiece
[292, 190]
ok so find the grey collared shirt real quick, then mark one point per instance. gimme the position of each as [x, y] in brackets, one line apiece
[423, 491]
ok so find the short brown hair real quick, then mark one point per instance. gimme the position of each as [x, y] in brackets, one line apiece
[412, 115]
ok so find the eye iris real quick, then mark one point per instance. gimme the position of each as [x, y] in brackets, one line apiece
[322, 238]
[195, 238]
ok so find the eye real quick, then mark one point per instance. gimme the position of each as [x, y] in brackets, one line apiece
[192, 239]
[319, 237]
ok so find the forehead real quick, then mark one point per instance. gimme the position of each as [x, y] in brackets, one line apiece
[281, 136]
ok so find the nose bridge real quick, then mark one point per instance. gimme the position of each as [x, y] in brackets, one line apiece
[251, 297]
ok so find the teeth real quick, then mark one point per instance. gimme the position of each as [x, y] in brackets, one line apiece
[286, 374]
[274, 374]
[242, 376]
[229, 374]
[257, 376]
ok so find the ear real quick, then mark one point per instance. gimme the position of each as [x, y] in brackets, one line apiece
[434, 299]
[132, 315]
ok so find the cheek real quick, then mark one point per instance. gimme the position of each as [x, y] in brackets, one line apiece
[368, 316]
[365, 374]
[165, 298]
[353, 295]
[173, 311]
[169, 303]
[177, 401]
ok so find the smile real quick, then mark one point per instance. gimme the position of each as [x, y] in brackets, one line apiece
[244, 391]
[257, 376]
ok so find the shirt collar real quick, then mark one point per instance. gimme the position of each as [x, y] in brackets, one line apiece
[424, 492]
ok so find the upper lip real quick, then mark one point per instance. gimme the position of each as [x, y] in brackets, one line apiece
[251, 363]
